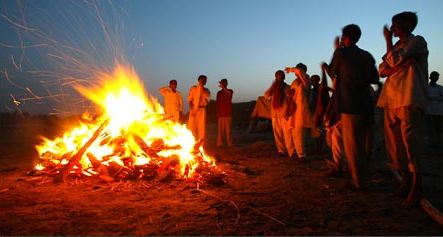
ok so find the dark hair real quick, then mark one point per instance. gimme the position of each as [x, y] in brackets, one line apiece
[173, 81]
[316, 77]
[224, 81]
[434, 74]
[302, 67]
[281, 73]
[202, 77]
[407, 21]
[353, 32]
[278, 88]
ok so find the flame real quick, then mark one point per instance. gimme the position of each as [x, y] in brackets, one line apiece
[137, 133]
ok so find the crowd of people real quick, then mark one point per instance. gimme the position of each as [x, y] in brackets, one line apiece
[343, 115]
[198, 99]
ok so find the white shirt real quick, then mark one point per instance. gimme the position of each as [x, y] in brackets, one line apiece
[199, 96]
[407, 86]
[173, 100]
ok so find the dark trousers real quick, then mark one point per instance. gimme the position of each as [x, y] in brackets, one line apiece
[357, 143]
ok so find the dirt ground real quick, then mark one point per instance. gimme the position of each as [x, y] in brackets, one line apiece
[261, 195]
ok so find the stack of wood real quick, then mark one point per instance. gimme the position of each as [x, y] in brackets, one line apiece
[107, 169]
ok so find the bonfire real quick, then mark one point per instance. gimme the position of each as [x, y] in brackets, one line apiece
[131, 138]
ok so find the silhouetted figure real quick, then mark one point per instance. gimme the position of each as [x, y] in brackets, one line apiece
[404, 100]
[224, 114]
[313, 92]
[354, 70]
[435, 110]
[321, 102]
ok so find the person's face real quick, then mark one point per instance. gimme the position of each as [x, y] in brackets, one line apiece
[202, 81]
[173, 86]
[344, 40]
[396, 29]
[315, 80]
[278, 77]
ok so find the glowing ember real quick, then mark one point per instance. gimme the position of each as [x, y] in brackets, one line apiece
[131, 139]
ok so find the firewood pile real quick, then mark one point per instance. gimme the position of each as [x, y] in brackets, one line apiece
[118, 165]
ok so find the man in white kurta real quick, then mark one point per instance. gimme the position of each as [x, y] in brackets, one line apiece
[198, 99]
[282, 134]
[404, 99]
[300, 119]
[173, 100]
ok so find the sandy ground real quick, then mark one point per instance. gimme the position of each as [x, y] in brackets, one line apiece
[260, 195]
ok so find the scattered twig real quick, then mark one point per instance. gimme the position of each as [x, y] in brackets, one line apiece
[146, 186]
[30, 179]
[432, 211]
[222, 200]
[270, 217]
[217, 224]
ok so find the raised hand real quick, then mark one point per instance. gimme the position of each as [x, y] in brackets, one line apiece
[337, 42]
[387, 33]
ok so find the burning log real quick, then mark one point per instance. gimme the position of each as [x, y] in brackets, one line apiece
[93, 159]
[105, 178]
[168, 168]
[76, 158]
[147, 171]
[105, 140]
[142, 144]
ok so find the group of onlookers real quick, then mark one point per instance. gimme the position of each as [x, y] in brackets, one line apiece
[349, 116]
[304, 107]
[198, 98]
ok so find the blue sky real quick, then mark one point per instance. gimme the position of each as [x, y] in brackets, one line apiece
[245, 41]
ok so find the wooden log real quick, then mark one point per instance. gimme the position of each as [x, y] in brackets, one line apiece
[61, 177]
[142, 144]
[105, 141]
[147, 171]
[106, 178]
[94, 161]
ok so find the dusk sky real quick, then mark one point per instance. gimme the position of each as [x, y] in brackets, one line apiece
[46, 45]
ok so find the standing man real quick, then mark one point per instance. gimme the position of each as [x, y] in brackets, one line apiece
[354, 70]
[298, 112]
[403, 98]
[435, 110]
[224, 112]
[173, 100]
[198, 98]
[279, 93]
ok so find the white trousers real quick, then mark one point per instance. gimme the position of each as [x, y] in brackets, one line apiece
[197, 123]
[298, 141]
[282, 136]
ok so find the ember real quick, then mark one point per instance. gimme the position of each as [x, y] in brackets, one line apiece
[131, 139]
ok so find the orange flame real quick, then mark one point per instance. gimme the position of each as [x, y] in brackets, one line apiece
[137, 127]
